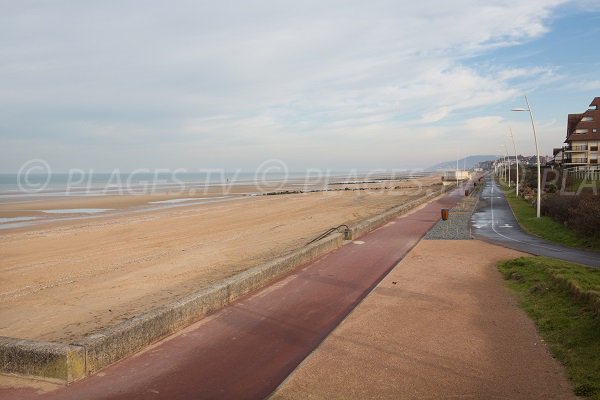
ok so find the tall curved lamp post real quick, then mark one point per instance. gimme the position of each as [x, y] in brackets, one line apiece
[508, 159]
[537, 154]
[516, 158]
[504, 164]
[502, 174]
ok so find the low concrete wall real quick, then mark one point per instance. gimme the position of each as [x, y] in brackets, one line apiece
[96, 351]
[119, 341]
[57, 361]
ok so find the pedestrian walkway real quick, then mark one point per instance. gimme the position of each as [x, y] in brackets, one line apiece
[441, 325]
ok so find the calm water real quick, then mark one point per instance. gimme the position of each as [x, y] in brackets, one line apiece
[73, 184]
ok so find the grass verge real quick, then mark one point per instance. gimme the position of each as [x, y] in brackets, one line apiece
[562, 299]
[546, 227]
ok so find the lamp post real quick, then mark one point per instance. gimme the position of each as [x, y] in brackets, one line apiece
[508, 159]
[503, 165]
[516, 158]
[456, 173]
[537, 154]
[497, 166]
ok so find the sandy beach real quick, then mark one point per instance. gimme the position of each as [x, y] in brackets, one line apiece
[70, 277]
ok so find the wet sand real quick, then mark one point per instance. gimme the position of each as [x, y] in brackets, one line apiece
[42, 204]
[69, 278]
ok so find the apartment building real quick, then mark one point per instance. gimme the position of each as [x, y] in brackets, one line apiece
[583, 138]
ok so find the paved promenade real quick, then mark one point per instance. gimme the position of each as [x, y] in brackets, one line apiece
[441, 325]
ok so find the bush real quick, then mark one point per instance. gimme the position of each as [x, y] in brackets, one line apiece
[584, 218]
[557, 207]
[553, 180]
[579, 213]
[527, 193]
[528, 177]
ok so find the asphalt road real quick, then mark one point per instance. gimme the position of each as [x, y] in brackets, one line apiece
[494, 222]
[247, 349]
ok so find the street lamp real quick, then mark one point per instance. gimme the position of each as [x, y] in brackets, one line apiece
[502, 173]
[508, 158]
[537, 154]
[516, 159]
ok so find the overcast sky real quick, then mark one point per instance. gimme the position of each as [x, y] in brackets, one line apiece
[318, 84]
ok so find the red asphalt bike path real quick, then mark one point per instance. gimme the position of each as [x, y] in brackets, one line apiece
[247, 349]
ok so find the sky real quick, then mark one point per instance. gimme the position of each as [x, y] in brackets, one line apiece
[100, 85]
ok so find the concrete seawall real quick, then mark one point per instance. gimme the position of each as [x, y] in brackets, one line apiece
[53, 361]
[119, 341]
[68, 363]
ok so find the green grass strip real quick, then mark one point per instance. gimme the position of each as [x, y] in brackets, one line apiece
[568, 322]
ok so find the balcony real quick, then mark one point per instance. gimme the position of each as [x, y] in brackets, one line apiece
[580, 148]
[575, 161]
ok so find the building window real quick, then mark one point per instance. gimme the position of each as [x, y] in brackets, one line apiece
[587, 119]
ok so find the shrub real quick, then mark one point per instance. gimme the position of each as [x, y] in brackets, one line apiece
[527, 193]
[584, 218]
[557, 207]
[528, 177]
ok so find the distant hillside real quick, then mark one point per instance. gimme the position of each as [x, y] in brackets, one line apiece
[469, 162]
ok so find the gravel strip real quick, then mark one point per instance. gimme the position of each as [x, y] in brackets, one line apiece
[458, 225]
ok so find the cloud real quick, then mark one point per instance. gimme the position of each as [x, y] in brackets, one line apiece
[583, 86]
[274, 76]
[436, 115]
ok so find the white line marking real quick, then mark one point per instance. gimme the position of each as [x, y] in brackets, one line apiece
[509, 238]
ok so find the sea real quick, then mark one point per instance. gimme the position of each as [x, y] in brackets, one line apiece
[79, 183]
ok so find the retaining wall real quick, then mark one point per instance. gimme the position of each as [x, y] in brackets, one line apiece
[54, 361]
[119, 341]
